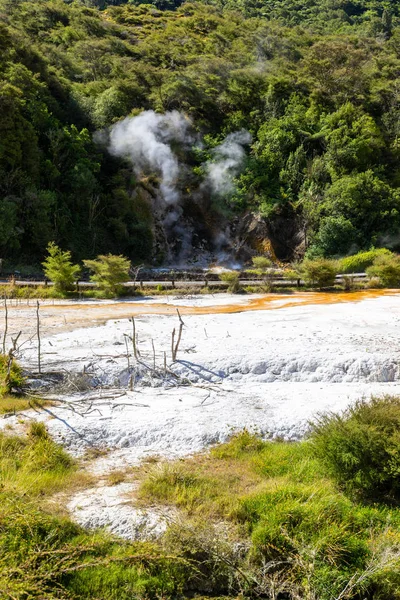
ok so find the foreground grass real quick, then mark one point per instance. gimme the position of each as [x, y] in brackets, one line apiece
[45, 556]
[304, 538]
[258, 519]
[13, 404]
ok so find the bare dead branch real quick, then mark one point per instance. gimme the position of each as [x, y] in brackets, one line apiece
[178, 341]
[10, 359]
[127, 352]
[135, 353]
[179, 316]
[173, 345]
[38, 336]
[154, 354]
[5, 323]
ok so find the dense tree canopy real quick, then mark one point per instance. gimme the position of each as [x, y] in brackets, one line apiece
[316, 83]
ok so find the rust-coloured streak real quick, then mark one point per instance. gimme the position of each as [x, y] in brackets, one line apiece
[266, 302]
[67, 316]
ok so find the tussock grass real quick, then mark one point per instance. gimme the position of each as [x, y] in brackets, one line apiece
[360, 448]
[46, 556]
[282, 500]
[358, 263]
[200, 486]
[214, 484]
[258, 519]
[10, 403]
[116, 477]
[34, 465]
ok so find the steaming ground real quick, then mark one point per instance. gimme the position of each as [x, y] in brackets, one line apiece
[267, 370]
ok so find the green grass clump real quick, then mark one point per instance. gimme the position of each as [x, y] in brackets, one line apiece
[256, 519]
[361, 447]
[283, 504]
[231, 278]
[46, 556]
[386, 269]
[15, 403]
[11, 375]
[358, 263]
[319, 271]
[33, 465]
[9, 403]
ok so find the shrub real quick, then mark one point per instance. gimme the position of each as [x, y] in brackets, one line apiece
[315, 540]
[217, 561]
[42, 454]
[241, 444]
[232, 279]
[320, 272]
[335, 236]
[291, 274]
[13, 379]
[109, 272]
[387, 269]
[263, 268]
[360, 261]
[59, 268]
[313, 252]
[361, 447]
[31, 291]
[261, 263]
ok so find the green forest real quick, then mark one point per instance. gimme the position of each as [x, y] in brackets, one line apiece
[314, 83]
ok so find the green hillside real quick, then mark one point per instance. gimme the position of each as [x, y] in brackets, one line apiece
[315, 84]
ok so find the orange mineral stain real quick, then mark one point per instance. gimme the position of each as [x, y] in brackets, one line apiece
[265, 302]
[67, 316]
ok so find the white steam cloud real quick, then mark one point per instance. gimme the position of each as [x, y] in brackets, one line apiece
[146, 139]
[229, 157]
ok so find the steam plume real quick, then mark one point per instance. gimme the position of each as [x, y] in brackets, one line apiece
[229, 157]
[146, 139]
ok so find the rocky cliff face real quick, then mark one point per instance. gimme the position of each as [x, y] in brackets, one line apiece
[194, 232]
